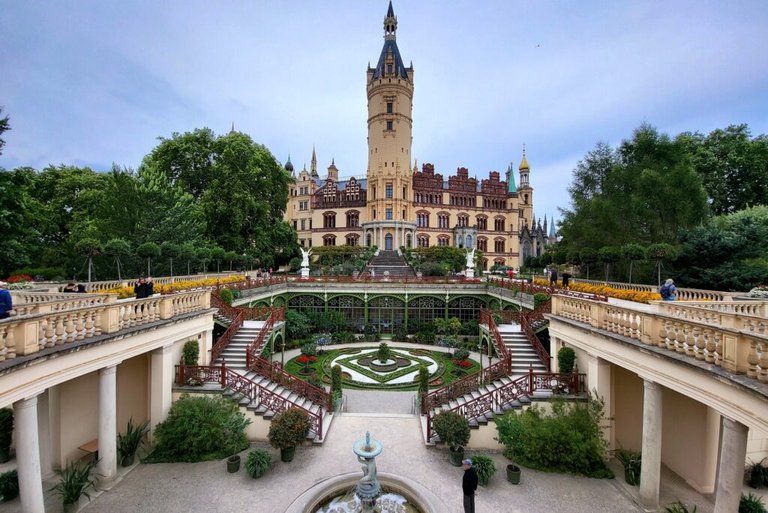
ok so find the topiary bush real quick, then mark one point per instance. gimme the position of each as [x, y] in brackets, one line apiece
[484, 466]
[289, 428]
[452, 428]
[309, 349]
[566, 358]
[460, 354]
[191, 352]
[423, 380]
[9, 486]
[384, 352]
[227, 296]
[258, 463]
[572, 428]
[200, 429]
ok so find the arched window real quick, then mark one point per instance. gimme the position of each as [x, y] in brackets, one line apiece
[468, 242]
[352, 239]
[329, 220]
[329, 240]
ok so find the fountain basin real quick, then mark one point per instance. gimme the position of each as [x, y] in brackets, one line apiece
[324, 491]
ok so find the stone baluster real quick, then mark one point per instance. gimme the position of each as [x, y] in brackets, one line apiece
[70, 320]
[80, 328]
[763, 372]
[710, 345]
[700, 343]
[58, 337]
[718, 348]
[752, 360]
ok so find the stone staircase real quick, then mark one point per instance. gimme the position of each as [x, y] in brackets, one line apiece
[523, 354]
[391, 262]
[234, 356]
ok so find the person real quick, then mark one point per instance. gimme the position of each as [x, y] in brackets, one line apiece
[149, 287]
[81, 288]
[469, 486]
[140, 289]
[6, 302]
[668, 291]
[566, 279]
[70, 287]
[553, 277]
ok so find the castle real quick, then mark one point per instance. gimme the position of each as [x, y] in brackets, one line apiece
[397, 205]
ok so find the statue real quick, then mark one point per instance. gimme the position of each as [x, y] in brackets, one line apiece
[305, 256]
[368, 488]
[471, 259]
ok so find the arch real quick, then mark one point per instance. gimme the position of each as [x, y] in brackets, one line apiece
[388, 242]
[424, 309]
[465, 308]
[351, 307]
[387, 313]
[307, 303]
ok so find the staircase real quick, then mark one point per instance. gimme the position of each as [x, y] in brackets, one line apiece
[391, 262]
[523, 354]
[271, 393]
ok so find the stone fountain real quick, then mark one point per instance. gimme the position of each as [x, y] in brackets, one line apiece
[368, 488]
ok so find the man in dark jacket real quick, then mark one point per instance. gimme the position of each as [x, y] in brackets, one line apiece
[140, 289]
[6, 302]
[469, 486]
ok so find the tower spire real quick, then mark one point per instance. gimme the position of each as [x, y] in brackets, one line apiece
[313, 163]
[390, 23]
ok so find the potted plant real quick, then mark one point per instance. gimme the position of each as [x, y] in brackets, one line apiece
[6, 432]
[756, 474]
[9, 486]
[453, 430]
[74, 483]
[679, 507]
[233, 463]
[751, 503]
[513, 473]
[485, 468]
[288, 429]
[129, 443]
[566, 357]
[258, 463]
[631, 461]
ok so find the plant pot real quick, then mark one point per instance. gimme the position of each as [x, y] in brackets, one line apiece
[632, 476]
[233, 463]
[287, 454]
[457, 455]
[513, 474]
[128, 460]
[72, 507]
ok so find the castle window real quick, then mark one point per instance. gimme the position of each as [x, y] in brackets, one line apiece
[498, 224]
[482, 223]
[389, 107]
[295, 225]
[389, 125]
[329, 240]
[303, 224]
[353, 219]
[352, 239]
[442, 240]
[498, 246]
[388, 214]
[482, 245]
[463, 220]
[422, 220]
[303, 205]
[329, 221]
[388, 191]
[442, 220]
[422, 241]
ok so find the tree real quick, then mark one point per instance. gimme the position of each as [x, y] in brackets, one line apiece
[4, 127]
[89, 247]
[232, 257]
[18, 219]
[170, 251]
[588, 257]
[117, 249]
[203, 256]
[608, 255]
[659, 253]
[632, 252]
[187, 252]
[218, 254]
[149, 250]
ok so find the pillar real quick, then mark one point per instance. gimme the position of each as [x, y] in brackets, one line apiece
[599, 380]
[106, 468]
[28, 456]
[650, 474]
[160, 387]
[730, 471]
[44, 437]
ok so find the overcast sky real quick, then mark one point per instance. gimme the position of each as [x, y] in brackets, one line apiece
[91, 83]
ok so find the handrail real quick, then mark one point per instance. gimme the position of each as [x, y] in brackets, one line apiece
[226, 337]
[532, 288]
[230, 379]
[494, 400]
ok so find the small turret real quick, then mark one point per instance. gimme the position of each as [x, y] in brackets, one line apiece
[333, 171]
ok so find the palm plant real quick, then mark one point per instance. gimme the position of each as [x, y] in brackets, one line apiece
[129, 443]
[75, 480]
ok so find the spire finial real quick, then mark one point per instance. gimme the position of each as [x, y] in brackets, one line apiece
[232, 130]
[390, 23]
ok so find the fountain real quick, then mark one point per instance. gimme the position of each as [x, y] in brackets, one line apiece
[368, 488]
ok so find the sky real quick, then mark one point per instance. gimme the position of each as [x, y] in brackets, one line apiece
[92, 83]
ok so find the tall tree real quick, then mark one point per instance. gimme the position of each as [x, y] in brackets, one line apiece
[4, 127]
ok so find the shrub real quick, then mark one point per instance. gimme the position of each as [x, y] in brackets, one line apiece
[423, 380]
[751, 504]
[75, 479]
[191, 352]
[384, 352]
[484, 466]
[452, 428]
[401, 333]
[632, 463]
[336, 380]
[227, 296]
[6, 433]
[425, 336]
[258, 463]
[343, 337]
[9, 486]
[566, 357]
[539, 299]
[370, 333]
[200, 429]
[129, 443]
[460, 354]
[679, 507]
[288, 428]
[756, 474]
[42, 273]
[530, 437]
[470, 328]
[309, 349]
[297, 325]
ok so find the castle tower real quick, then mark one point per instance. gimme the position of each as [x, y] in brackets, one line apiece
[390, 105]
[526, 191]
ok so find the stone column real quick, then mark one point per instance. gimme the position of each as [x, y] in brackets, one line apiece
[44, 437]
[730, 471]
[650, 474]
[28, 456]
[161, 381]
[599, 379]
[106, 468]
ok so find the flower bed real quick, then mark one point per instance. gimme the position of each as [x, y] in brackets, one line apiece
[124, 292]
[638, 296]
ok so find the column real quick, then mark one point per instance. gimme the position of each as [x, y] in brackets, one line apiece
[44, 437]
[106, 468]
[161, 382]
[599, 380]
[730, 471]
[28, 456]
[650, 474]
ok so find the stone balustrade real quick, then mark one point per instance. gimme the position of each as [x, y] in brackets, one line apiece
[683, 294]
[62, 322]
[30, 303]
[731, 335]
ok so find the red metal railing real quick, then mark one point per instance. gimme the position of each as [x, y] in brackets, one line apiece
[532, 288]
[248, 388]
[488, 403]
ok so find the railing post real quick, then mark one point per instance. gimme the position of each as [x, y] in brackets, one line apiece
[575, 379]
[223, 374]
[530, 378]
[182, 376]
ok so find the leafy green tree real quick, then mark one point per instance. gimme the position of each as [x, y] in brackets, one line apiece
[148, 250]
[588, 256]
[608, 255]
[203, 256]
[661, 253]
[117, 249]
[89, 247]
[187, 252]
[18, 219]
[632, 252]
[170, 250]
[218, 254]
[4, 127]
[232, 257]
